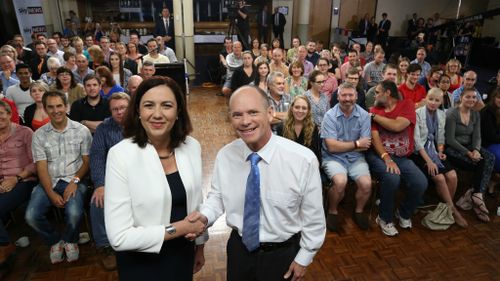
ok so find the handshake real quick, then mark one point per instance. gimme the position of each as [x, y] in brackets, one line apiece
[195, 225]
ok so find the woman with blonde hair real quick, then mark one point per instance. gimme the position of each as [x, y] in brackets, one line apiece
[35, 115]
[299, 125]
[10, 51]
[97, 57]
[452, 69]
[50, 77]
[402, 74]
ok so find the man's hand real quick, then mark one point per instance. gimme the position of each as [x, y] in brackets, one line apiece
[199, 258]
[98, 197]
[364, 143]
[196, 217]
[56, 199]
[69, 191]
[392, 167]
[296, 271]
[7, 184]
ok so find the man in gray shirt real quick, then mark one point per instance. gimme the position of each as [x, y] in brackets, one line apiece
[20, 93]
[61, 153]
[373, 70]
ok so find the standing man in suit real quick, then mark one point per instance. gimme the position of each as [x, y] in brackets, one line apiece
[165, 28]
[39, 63]
[383, 30]
[364, 26]
[263, 24]
[279, 22]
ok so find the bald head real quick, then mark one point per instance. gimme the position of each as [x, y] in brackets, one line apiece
[133, 83]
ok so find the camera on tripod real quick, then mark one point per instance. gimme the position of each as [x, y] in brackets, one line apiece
[233, 4]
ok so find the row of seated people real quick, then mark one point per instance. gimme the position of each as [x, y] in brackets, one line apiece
[398, 132]
[81, 57]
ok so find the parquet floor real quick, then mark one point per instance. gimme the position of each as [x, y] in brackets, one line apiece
[471, 254]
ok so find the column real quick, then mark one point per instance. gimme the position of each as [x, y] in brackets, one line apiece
[184, 32]
[303, 20]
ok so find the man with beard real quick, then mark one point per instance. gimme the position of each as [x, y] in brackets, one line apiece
[107, 134]
[411, 89]
[389, 74]
[346, 135]
[312, 56]
[92, 109]
[279, 100]
[393, 124]
[39, 63]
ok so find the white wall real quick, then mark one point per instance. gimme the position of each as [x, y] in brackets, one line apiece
[491, 27]
[399, 12]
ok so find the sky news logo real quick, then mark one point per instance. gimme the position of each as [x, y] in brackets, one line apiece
[35, 29]
[30, 11]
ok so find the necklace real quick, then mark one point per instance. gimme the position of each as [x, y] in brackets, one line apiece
[166, 157]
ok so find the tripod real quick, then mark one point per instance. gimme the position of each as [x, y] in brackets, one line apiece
[234, 30]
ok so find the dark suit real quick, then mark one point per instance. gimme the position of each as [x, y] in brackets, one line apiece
[279, 26]
[130, 65]
[168, 30]
[263, 21]
[363, 27]
[412, 28]
[34, 67]
[383, 31]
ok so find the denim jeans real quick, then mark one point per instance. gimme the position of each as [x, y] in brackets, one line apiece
[73, 213]
[98, 227]
[415, 185]
[9, 201]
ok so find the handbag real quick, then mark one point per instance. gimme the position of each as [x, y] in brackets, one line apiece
[440, 218]
[465, 202]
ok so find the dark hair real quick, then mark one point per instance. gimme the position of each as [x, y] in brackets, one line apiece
[389, 65]
[57, 33]
[90, 77]
[134, 32]
[257, 77]
[132, 125]
[68, 55]
[48, 94]
[23, 66]
[120, 65]
[64, 69]
[413, 67]
[391, 87]
[312, 77]
[434, 68]
[495, 93]
[39, 42]
[103, 71]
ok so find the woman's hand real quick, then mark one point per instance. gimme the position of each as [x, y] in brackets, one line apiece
[442, 156]
[476, 156]
[432, 168]
[199, 258]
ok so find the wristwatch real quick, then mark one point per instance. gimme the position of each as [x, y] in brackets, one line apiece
[170, 229]
[76, 179]
[19, 178]
[372, 115]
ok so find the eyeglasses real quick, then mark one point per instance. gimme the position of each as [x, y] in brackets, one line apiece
[118, 109]
[63, 74]
[320, 82]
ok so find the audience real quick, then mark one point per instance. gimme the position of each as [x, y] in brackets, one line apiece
[453, 67]
[403, 64]
[82, 68]
[50, 77]
[296, 83]
[66, 84]
[17, 175]
[108, 83]
[411, 90]
[318, 100]
[8, 73]
[490, 133]
[233, 61]
[244, 74]
[420, 60]
[121, 75]
[20, 93]
[470, 79]
[261, 76]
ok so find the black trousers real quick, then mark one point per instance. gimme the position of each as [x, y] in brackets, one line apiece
[261, 264]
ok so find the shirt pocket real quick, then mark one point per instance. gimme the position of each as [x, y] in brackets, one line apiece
[52, 150]
[74, 147]
[284, 200]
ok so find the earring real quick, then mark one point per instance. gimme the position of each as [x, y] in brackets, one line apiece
[139, 117]
[177, 118]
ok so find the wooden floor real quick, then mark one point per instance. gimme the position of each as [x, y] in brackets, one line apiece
[471, 254]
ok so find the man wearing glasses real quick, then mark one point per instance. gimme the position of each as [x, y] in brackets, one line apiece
[92, 109]
[107, 134]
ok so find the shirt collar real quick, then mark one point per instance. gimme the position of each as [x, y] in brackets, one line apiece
[337, 112]
[266, 152]
[69, 125]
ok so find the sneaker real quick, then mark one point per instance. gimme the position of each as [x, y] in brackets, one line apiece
[72, 251]
[404, 223]
[108, 259]
[361, 220]
[57, 252]
[387, 228]
[332, 222]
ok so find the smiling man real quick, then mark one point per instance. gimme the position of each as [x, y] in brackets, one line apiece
[278, 225]
[346, 135]
[61, 153]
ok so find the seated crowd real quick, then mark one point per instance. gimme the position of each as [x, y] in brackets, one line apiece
[407, 125]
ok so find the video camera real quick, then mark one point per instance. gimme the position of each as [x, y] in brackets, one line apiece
[234, 4]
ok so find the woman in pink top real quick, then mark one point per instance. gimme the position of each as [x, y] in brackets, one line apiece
[17, 172]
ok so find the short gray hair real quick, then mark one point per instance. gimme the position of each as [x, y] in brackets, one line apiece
[346, 85]
[272, 76]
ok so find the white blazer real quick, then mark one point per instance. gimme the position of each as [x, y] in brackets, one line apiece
[137, 195]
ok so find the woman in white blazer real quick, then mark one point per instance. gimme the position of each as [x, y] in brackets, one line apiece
[429, 150]
[153, 181]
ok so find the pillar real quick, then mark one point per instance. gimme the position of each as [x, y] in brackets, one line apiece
[303, 20]
[184, 32]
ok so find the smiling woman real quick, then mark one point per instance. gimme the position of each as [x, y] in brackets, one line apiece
[157, 170]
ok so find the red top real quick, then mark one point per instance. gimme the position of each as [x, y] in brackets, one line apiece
[35, 124]
[400, 144]
[416, 95]
[15, 115]
[453, 87]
